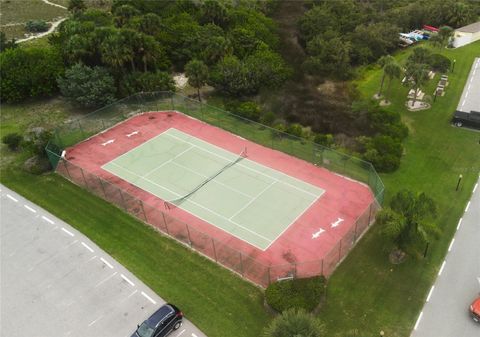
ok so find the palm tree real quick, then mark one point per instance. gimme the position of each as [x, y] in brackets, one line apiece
[392, 70]
[197, 73]
[115, 52]
[418, 72]
[445, 34]
[409, 219]
[132, 41]
[294, 322]
[383, 61]
[217, 48]
[149, 50]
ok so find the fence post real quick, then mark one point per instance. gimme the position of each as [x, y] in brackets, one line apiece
[188, 234]
[81, 129]
[143, 210]
[103, 188]
[241, 265]
[165, 222]
[66, 168]
[171, 101]
[370, 213]
[214, 250]
[268, 274]
[340, 251]
[322, 268]
[123, 200]
[355, 235]
[85, 180]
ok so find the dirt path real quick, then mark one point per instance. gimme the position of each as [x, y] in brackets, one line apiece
[50, 30]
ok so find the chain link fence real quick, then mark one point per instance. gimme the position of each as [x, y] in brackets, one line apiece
[239, 262]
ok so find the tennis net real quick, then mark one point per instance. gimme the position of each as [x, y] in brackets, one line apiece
[176, 202]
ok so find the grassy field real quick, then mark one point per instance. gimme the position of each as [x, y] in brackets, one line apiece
[367, 293]
[23, 11]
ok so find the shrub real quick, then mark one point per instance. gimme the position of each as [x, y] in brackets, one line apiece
[88, 87]
[249, 110]
[439, 63]
[151, 81]
[12, 140]
[29, 72]
[294, 323]
[384, 153]
[267, 118]
[302, 293]
[324, 139]
[36, 140]
[295, 129]
[37, 26]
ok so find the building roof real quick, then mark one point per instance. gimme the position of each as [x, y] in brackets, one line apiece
[471, 28]
[470, 102]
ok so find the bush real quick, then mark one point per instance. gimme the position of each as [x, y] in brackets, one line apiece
[12, 140]
[439, 63]
[88, 87]
[29, 72]
[268, 118]
[249, 110]
[304, 293]
[36, 140]
[384, 153]
[322, 139]
[37, 26]
[151, 81]
[294, 323]
[295, 129]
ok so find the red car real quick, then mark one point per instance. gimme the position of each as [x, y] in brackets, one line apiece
[475, 310]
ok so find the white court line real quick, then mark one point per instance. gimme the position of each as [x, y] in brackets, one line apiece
[441, 268]
[86, 246]
[68, 232]
[451, 244]
[418, 321]
[30, 209]
[430, 293]
[246, 167]
[127, 280]
[459, 223]
[11, 198]
[213, 181]
[47, 220]
[105, 280]
[252, 200]
[105, 261]
[201, 206]
[148, 298]
[168, 161]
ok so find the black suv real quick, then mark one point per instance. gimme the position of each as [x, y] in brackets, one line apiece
[162, 322]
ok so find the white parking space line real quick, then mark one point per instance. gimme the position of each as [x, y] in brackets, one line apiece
[459, 223]
[181, 333]
[105, 261]
[11, 198]
[193, 335]
[86, 246]
[451, 244]
[430, 293]
[418, 321]
[106, 279]
[475, 188]
[148, 298]
[127, 280]
[68, 232]
[95, 321]
[126, 298]
[441, 268]
[30, 209]
[468, 206]
[47, 220]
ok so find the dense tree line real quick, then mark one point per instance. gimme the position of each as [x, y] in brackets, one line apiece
[338, 35]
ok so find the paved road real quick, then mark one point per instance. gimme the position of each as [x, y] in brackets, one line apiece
[54, 281]
[445, 313]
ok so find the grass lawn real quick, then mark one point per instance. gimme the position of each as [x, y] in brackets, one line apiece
[23, 11]
[367, 293]
[212, 297]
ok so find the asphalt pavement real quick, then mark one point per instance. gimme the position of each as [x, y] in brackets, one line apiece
[54, 281]
[445, 313]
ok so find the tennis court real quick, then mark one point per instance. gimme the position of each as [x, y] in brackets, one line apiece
[250, 201]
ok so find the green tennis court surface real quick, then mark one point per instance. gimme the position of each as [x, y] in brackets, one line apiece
[248, 200]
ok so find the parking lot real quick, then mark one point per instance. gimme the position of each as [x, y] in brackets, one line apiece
[56, 282]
